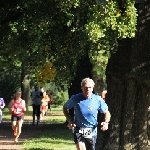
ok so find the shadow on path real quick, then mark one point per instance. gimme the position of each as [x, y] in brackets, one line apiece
[28, 131]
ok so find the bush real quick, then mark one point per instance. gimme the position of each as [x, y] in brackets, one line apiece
[60, 98]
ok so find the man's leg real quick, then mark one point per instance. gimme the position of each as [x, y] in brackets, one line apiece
[34, 112]
[79, 141]
[81, 146]
[38, 113]
[90, 143]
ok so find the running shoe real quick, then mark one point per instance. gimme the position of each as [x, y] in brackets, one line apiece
[15, 132]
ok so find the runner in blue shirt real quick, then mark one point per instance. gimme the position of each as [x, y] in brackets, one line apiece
[86, 106]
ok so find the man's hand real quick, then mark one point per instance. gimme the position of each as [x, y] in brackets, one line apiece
[71, 126]
[104, 126]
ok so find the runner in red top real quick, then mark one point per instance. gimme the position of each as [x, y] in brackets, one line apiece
[17, 107]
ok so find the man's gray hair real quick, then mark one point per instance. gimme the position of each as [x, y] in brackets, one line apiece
[85, 80]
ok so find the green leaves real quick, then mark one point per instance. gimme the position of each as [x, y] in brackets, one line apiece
[70, 28]
[99, 2]
[107, 22]
[67, 5]
[108, 18]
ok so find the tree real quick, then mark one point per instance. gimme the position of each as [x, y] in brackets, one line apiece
[128, 78]
[24, 34]
[83, 70]
[63, 31]
[67, 28]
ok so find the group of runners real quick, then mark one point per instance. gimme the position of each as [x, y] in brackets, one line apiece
[84, 123]
[17, 106]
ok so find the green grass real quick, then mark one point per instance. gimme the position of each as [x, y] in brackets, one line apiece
[58, 138]
[6, 114]
[55, 119]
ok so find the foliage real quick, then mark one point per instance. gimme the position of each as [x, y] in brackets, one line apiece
[101, 26]
[47, 73]
[99, 60]
[108, 22]
[15, 47]
[105, 1]
[9, 81]
[59, 98]
[62, 32]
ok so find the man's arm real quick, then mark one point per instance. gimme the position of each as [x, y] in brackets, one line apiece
[107, 116]
[107, 119]
[71, 124]
[66, 113]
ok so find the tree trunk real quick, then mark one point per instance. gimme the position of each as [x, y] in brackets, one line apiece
[25, 86]
[84, 69]
[128, 90]
[99, 84]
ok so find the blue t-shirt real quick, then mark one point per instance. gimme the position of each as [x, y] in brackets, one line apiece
[36, 97]
[86, 109]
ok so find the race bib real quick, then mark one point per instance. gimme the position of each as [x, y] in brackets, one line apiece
[86, 132]
[17, 111]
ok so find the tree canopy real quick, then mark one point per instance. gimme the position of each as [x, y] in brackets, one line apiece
[37, 33]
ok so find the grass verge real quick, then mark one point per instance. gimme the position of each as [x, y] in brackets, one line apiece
[53, 139]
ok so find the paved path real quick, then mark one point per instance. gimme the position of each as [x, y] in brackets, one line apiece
[28, 131]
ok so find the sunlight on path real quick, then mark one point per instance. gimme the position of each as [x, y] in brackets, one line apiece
[6, 133]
